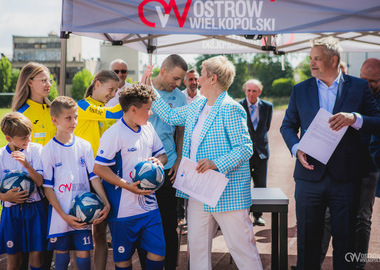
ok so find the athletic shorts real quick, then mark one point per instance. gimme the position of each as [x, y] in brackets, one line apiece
[145, 230]
[23, 228]
[78, 240]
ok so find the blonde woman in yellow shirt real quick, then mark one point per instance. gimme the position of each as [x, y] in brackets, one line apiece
[30, 99]
[94, 118]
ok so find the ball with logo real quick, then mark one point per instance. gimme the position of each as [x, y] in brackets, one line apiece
[150, 175]
[17, 179]
[86, 207]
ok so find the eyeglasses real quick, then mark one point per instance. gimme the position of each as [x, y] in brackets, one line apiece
[43, 80]
[123, 71]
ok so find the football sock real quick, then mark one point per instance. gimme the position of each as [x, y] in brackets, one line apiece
[84, 263]
[62, 261]
[123, 268]
[154, 265]
[36, 268]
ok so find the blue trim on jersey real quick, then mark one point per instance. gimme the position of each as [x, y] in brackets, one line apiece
[109, 219]
[49, 183]
[65, 145]
[23, 108]
[10, 151]
[122, 120]
[154, 153]
[92, 175]
[83, 104]
[104, 160]
[114, 194]
[114, 115]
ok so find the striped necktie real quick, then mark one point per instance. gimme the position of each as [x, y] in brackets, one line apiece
[253, 116]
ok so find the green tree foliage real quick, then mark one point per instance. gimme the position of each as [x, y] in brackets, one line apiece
[5, 74]
[303, 70]
[282, 87]
[53, 89]
[14, 77]
[81, 82]
[268, 68]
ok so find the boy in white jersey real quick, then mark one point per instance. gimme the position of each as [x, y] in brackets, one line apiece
[134, 215]
[23, 219]
[68, 162]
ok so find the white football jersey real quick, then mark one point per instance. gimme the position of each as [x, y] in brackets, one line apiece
[121, 148]
[67, 170]
[32, 155]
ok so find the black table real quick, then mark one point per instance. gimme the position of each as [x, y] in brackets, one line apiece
[275, 201]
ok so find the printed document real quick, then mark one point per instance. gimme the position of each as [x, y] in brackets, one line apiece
[320, 140]
[206, 187]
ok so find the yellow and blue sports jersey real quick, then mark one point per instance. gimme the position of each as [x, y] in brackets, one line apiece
[39, 115]
[94, 119]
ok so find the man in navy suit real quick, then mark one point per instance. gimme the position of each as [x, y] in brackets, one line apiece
[335, 184]
[259, 117]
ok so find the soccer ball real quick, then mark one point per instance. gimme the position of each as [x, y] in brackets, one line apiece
[17, 179]
[86, 206]
[150, 175]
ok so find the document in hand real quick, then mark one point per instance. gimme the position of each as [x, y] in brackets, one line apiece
[206, 187]
[320, 140]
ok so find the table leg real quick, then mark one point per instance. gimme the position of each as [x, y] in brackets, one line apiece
[283, 241]
[274, 259]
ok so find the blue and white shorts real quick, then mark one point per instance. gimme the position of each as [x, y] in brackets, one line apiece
[77, 240]
[23, 228]
[146, 230]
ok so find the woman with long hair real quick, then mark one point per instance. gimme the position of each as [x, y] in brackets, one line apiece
[31, 99]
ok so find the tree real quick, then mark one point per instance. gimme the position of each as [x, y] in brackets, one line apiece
[81, 82]
[268, 68]
[5, 74]
[53, 89]
[303, 70]
[14, 77]
[282, 87]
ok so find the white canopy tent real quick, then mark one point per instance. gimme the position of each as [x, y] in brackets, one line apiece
[221, 27]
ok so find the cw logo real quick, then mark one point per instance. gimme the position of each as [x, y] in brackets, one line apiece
[64, 187]
[167, 8]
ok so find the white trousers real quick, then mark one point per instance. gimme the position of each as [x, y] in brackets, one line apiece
[237, 230]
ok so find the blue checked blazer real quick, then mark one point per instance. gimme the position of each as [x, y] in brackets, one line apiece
[224, 139]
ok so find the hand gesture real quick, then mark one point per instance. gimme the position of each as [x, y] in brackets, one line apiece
[302, 158]
[102, 214]
[20, 157]
[340, 120]
[205, 164]
[14, 195]
[75, 222]
[147, 76]
[133, 187]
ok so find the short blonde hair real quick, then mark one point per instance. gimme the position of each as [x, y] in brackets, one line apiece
[255, 82]
[16, 124]
[60, 103]
[330, 45]
[222, 68]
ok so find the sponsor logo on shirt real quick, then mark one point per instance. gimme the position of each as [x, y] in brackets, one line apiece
[72, 187]
[82, 161]
[59, 164]
[132, 149]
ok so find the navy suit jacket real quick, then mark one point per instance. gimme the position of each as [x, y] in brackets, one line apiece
[259, 136]
[353, 95]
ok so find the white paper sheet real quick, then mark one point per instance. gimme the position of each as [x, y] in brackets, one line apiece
[320, 140]
[206, 187]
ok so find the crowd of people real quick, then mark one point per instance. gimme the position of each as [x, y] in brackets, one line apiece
[94, 144]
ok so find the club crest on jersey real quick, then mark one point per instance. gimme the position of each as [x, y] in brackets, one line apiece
[81, 161]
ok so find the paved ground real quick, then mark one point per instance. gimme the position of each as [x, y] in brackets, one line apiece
[281, 166]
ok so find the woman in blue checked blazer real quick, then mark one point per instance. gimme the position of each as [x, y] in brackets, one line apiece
[217, 138]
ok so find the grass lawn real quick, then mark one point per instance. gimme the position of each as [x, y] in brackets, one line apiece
[3, 111]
